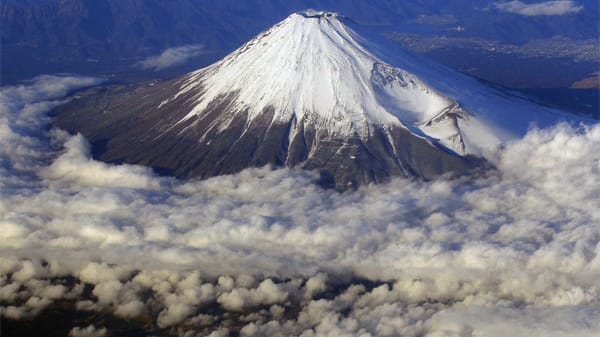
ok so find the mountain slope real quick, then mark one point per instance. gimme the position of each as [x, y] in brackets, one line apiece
[306, 92]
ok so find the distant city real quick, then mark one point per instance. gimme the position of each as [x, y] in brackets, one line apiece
[559, 46]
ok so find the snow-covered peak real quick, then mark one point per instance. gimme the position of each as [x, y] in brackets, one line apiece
[311, 13]
[313, 66]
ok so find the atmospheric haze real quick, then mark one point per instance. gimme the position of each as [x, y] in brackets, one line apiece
[511, 252]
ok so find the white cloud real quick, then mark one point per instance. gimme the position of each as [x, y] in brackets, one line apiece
[130, 309]
[76, 166]
[554, 7]
[239, 298]
[492, 321]
[171, 57]
[518, 248]
[89, 331]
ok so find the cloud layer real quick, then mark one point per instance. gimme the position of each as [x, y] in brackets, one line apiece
[554, 7]
[267, 252]
[171, 57]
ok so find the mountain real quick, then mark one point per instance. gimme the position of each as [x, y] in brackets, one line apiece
[309, 92]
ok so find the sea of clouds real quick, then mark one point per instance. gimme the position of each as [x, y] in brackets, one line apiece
[268, 253]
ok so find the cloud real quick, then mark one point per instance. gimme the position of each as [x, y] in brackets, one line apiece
[266, 293]
[24, 148]
[490, 321]
[267, 252]
[89, 331]
[172, 57]
[76, 166]
[556, 7]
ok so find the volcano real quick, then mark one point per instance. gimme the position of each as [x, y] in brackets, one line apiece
[309, 92]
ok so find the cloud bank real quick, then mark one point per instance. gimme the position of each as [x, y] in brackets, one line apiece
[267, 252]
[171, 57]
[556, 7]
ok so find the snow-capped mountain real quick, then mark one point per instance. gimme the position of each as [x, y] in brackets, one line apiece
[312, 67]
[309, 92]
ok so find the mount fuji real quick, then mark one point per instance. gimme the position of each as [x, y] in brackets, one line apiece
[310, 92]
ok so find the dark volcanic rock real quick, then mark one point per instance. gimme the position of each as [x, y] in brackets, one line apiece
[130, 125]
